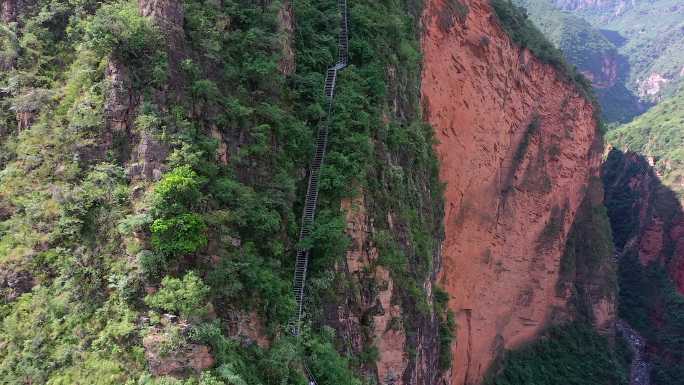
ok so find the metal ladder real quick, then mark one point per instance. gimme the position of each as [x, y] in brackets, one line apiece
[311, 199]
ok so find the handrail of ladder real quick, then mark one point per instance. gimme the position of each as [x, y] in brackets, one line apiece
[311, 199]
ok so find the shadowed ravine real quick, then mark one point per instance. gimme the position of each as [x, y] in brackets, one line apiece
[638, 372]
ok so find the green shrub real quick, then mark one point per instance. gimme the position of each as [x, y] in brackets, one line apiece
[574, 353]
[179, 235]
[118, 30]
[177, 192]
[186, 297]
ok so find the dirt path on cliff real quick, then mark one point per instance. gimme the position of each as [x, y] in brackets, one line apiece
[639, 370]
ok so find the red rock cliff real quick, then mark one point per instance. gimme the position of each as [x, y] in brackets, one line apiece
[517, 147]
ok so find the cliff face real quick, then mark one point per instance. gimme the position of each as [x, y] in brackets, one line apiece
[648, 227]
[647, 216]
[517, 147]
[605, 75]
[616, 6]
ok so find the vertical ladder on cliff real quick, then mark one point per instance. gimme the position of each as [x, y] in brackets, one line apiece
[321, 143]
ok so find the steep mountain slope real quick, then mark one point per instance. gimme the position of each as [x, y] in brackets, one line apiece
[594, 55]
[518, 146]
[650, 34]
[154, 156]
[648, 227]
[658, 135]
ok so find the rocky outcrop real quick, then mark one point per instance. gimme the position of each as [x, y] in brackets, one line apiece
[147, 162]
[646, 216]
[8, 11]
[168, 16]
[14, 282]
[652, 86]
[169, 354]
[607, 75]
[287, 63]
[371, 315]
[12, 10]
[121, 101]
[247, 328]
[28, 105]
[517, 146]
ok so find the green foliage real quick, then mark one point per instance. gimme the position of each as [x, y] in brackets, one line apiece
[182, 234]
[447, 327]
[117, 29]
[658, 133]
[326, 365]
[186, 297]
[586, 47]
[177, 192]
[650, 302]
[649, 34]
[73, 205]
[648, 298]
[573, 352]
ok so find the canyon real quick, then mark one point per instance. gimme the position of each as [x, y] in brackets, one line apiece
[461, 212]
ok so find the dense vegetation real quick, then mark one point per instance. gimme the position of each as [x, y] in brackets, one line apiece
[574, 353]
[109, 252]
[587, 269]
[659, 133]
[651, 303]
[648, 298]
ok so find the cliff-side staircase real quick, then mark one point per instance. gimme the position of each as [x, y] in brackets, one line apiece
[311, 199]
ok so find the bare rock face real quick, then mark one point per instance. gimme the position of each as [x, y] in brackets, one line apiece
[12, 10]
[286, 27]
[180, 362]
[148, 160]
[13, 283]
[8, 11]
[28, 105]
[25, 119]
[167, 14]
[121, 102]
[517, 147]
[652, 86]
[247, 328]
[607, 76]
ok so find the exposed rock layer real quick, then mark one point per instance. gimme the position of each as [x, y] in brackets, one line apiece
[517, 146]
[375, 300]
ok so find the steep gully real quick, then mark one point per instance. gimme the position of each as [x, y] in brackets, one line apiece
[639, 370]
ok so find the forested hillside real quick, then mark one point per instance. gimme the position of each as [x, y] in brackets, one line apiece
[153, 159]
[659, 135]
